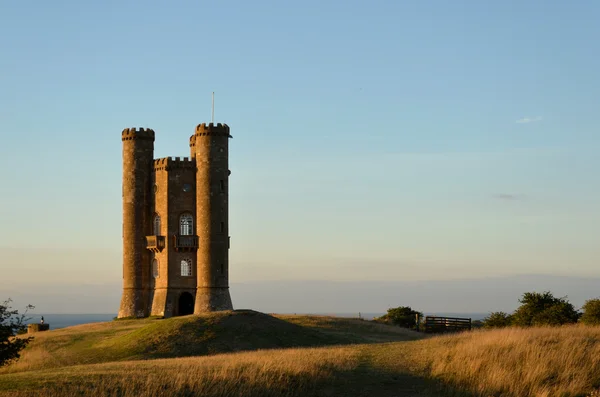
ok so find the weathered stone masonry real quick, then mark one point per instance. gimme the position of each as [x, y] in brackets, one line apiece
[175, 225]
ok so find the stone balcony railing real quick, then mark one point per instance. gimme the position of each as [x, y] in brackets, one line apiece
[155, 243]
[185, 243]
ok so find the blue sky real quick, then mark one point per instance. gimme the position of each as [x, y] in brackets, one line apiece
[381, 140]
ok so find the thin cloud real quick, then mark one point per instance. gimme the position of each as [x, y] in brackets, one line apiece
[526, 120]
[508, 196]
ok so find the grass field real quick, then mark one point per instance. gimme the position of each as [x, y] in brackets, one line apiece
[252, 354]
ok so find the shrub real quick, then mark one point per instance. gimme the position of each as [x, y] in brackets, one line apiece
[591, 312]
[544, 309]
[497, 320]
[403, 316]
[477, 324]
[11, 323]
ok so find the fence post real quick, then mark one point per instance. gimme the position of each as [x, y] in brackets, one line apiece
[417, 321]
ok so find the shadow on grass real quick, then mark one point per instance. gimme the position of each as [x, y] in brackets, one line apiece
[368, 381]
[244, 330]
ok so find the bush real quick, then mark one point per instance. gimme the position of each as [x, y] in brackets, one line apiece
[497, 320]
[11, 323]
[544, 309]
[403, 316]
[475, 324]
[591, 312]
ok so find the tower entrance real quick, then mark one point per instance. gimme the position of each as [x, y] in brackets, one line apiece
[186, 304]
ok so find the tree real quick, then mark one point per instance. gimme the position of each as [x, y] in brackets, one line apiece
[544, 309]
[402, 316]
[497, 320]
[591, 312]
[11, 323]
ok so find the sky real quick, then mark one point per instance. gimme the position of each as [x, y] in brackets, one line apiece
[382, 141]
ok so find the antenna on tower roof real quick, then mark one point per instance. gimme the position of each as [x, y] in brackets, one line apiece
[212, 115]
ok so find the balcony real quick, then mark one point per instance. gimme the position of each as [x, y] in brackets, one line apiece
[155, 243]
[185, 243]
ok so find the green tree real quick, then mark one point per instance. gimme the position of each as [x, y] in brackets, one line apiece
[11, 323]
[544, 309]
[497, 320]
[591, 312]
[403, 316]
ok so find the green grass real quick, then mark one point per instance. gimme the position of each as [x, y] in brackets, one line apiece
[209, 334]
[245, 353]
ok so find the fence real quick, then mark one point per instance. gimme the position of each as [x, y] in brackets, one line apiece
[446, 324]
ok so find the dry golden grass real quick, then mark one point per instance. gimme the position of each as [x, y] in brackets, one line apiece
[540, 362]
[515, 362]
[217, 375]
[333, 371]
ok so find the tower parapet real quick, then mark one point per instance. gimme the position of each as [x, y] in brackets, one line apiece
[212, 129]
[130, 134]
[171, 163]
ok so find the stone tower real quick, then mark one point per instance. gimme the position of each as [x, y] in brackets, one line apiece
[209, 147]
[138, 155]
[175, 225]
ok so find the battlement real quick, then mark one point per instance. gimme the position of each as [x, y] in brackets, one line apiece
[170, 163]
[212, 129]
[130, 134]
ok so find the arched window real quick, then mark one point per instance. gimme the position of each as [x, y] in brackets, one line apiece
[186, 267]
[186, 225]
[156, 225]
[155, 267]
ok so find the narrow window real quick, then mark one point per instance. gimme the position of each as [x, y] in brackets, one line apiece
[156, 224]
[222, 227]
[155, 267]
[186, 225]
[186, 267]
[222, 268]
[222, 185]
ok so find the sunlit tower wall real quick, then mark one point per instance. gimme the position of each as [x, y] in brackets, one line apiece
[210, 147]
[138, 154]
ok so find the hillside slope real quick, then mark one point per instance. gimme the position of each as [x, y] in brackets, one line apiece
[541, 362]
[208, 334]
[536, 362]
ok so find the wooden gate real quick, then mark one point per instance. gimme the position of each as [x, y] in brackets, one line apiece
[440, 325]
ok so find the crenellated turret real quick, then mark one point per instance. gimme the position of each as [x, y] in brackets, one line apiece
[138, 153]
[210, 149]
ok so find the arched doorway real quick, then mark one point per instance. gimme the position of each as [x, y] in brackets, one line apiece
[186, 304]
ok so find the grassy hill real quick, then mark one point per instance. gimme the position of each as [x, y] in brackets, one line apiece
[209, 334]
[245, 353]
